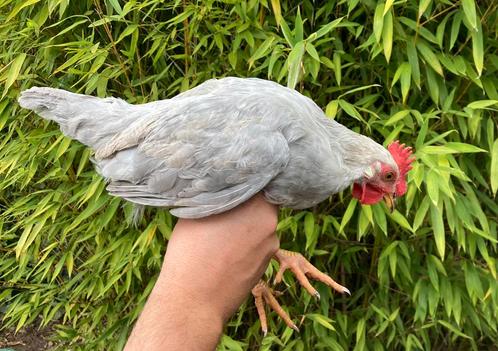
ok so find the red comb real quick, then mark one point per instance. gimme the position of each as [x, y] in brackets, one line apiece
[403, 157]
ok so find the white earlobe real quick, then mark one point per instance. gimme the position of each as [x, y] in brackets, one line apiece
[368, 173]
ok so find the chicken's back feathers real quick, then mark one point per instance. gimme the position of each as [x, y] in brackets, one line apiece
[210, 148]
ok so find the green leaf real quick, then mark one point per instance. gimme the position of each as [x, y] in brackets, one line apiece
[438, 230]
[401, 220]
[116, 6]
[387, 35]
[453, 329]
[309, 229]
[455, 29]
[493, 173]
[312, 51]
[429, 57]
[325, 29]
[411, 52]
[387, 6]
[469, 8]
[423, 4]
[294, 62]
[464, 148]
[322, 320]
[277, 11]
[348, 214]
[398, 116]
[261, 51]
[432, 183]
[20, 5]
[331, 109]
[298, 27]
[15, 69]
[378, 22]
[482, 104]
[350, 109]
[478, 49]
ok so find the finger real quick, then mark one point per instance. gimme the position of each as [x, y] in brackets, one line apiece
[316, 274]
[272, 301]
[305, 283]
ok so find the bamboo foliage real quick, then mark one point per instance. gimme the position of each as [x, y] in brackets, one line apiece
[424, 72]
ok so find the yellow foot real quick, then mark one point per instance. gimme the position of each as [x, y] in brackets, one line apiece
[263, 294]
[302, 269]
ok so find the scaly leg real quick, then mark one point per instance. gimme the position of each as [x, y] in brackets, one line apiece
[264, 294]
[302, 269]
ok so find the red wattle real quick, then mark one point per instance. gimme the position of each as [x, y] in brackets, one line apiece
[367, 194]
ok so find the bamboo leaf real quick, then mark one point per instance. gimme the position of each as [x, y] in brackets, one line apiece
[15, 69]
[482, 104]
[469, 8]
[378, 22]
[478, 49]
[20, 5]
[387, 6]
[294, 62]
[387, 35]
[429, 57]
[423, 4]
[438, 229]
[325, 29]
[493, 174]
[261, 51]
[277, 11]
[322, 320]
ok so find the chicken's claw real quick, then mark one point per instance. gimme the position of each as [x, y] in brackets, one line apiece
[302, 269]
[263, 294]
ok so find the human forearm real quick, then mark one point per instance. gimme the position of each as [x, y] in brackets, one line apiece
[209, 267]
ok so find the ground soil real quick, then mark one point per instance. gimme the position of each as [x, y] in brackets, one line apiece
[29, 338]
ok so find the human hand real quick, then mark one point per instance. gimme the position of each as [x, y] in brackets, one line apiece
[209, 268]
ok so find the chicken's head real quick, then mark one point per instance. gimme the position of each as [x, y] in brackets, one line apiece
[384, 180]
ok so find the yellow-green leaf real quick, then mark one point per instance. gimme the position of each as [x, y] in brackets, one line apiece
[469, 8]
[387, 6]
[482, 104]
[15, 68]
[387, 35]
[478, 49]
[20, 5]
[494, 168]
[294, 62]
[438, 230]
[430, 57]
[261, 51]
[422, 6]
[378, 22]
[277, 11]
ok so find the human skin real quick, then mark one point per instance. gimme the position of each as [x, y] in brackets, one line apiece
[209, 268]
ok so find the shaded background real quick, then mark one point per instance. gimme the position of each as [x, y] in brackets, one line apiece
[424, 72]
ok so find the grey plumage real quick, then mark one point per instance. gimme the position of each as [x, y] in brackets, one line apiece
[213, 147]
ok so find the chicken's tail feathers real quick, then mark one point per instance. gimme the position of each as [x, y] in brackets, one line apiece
[91, 120]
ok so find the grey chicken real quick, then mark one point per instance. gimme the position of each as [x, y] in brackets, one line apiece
[215, 146]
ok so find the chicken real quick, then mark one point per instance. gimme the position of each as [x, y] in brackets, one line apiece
[213, 147]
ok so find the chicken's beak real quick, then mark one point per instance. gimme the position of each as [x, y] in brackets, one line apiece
[390, 201]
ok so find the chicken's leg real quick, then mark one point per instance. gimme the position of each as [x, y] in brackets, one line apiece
[302, 269]
[263, 294]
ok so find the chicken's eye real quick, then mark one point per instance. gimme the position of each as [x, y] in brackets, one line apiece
[389, 176]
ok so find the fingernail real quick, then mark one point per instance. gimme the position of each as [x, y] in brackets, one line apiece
[346, 290]
[264, 333]
[317, 295]
[295, 328]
